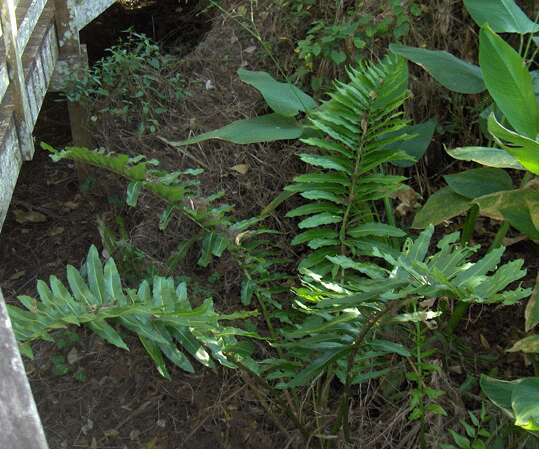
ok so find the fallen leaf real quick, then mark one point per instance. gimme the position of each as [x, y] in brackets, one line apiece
[17, 275]
[87, 427]
[71, 205]
[23, 216]
[111, 433]
[250, 49]
[56, 230]
[242, 169]
[73, 356]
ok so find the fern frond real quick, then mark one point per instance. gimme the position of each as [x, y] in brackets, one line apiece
[160, 315]
[336, 314]
[359, 125]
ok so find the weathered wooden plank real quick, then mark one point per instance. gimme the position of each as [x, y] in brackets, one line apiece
[35, 79]
[4, 77]
[16, 76]
[28, 14]
[10, 156]
[19, 420]
[88, 11]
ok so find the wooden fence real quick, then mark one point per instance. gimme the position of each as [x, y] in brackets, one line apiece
[39, 48]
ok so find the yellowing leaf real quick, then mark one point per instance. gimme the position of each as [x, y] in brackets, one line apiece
[242, 169]
[22, 216]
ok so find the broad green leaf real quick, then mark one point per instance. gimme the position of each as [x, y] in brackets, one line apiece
[525, 150]
[417, 145]
[453, 73]
[512, 206]
[312, 370]
[503, 16]
[460, 440]
[491, 157]
[312, 234]
[528, 345]
[370, 269]
[390, 347]
[479, 181]
[266, 128]
[248, 287]
[441, 206]
[376, 230]
[498, 391]
[328, 162]
[312, 208]
[107, 333]
[525, 402]
[319, 220]
[133, 192]
[96, 279]
[156, 355]
[283, 98]
[509, 82]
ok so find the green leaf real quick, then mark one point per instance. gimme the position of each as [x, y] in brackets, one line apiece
[156, 355]
[390, 347]
[503, 16]
[314, 368]
[525, 150]
[498, 391]
[479, 181]
[417, 145]
[441, 206]
[491, 157]
[319, 220]
[532, 308]
[376, 230]
[328, 162]
[513, 206]
[525, 402]
[96, 279]
[248, 287]
[283, 98]
[509, 82]
[133, 192]
[528, 345]
[453, 73]
[266, 128]
[460, 440]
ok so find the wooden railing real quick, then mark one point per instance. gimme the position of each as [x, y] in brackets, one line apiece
[39, 48]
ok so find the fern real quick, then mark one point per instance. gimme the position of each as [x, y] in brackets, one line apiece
[337, 315]
[356, 133]
[177, 189]
[160, 315]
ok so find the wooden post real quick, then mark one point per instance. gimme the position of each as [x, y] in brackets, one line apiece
[72, 61]
[20, 426]
[16, 77]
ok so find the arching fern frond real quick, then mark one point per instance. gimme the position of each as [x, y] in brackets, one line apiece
[357, 129]
[160, 315]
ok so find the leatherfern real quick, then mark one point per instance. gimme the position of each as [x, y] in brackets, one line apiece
[177, 188]
[160, 315]
[355, 133]
[348, 329]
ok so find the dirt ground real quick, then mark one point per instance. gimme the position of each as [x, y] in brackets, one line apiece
[115, 399]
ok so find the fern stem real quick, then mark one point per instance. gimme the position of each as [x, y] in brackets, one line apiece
[342, 417]
[353, 186]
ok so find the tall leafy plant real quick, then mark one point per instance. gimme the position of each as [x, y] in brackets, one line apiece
[357, 132]
[512, 122]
